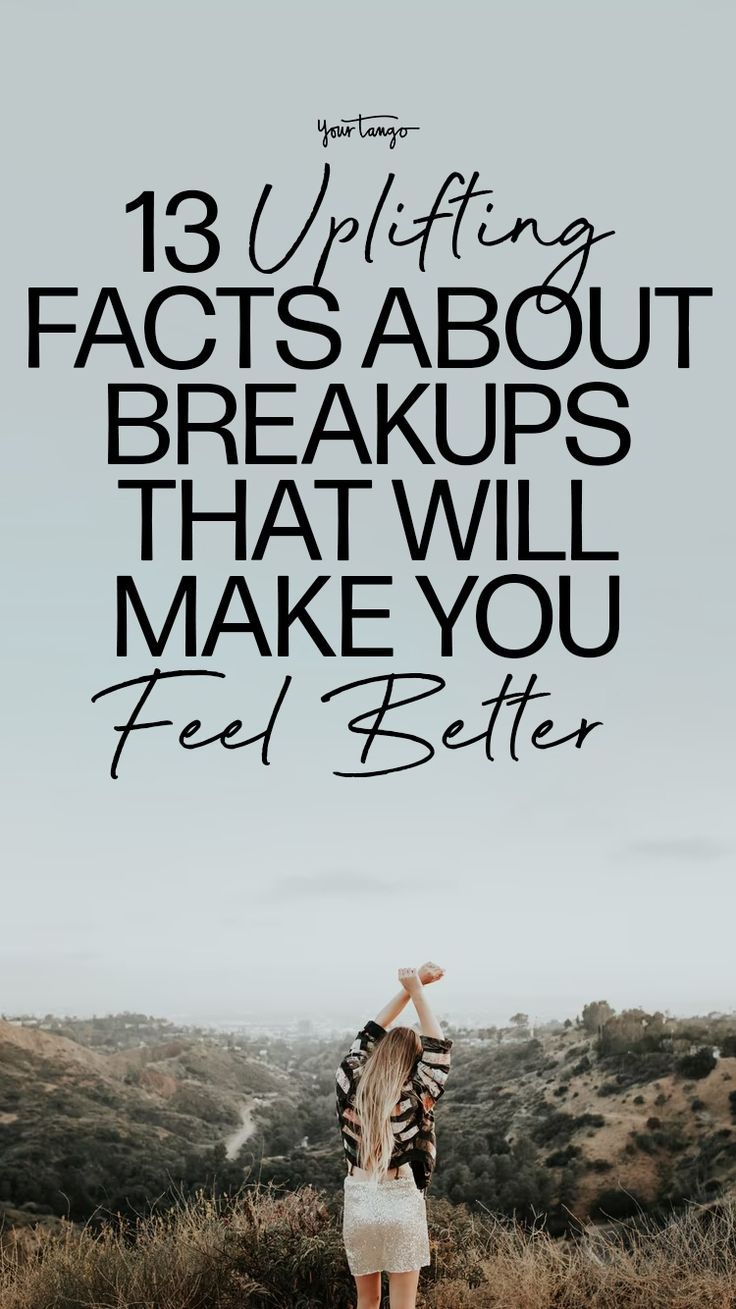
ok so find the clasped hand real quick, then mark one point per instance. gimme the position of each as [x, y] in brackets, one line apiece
[413, 979]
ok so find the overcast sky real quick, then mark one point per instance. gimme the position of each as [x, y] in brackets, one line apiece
[202, 884]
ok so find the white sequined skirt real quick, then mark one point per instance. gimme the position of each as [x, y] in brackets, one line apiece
[385, 1226]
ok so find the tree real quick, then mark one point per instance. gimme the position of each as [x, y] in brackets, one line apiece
[519, 1020]
[634, 1031]
[596, 1014]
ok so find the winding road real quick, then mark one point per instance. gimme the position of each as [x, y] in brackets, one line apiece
[237, 1139]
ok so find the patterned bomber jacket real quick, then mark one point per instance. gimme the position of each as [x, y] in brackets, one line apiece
[413, 1118]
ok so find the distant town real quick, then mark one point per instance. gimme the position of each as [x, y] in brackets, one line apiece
[129, 1030]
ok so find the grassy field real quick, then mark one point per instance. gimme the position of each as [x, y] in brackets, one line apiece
[268, 1250]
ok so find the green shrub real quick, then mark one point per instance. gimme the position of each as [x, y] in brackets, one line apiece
[561, 1158]
[616, 1204]
[698, 1065]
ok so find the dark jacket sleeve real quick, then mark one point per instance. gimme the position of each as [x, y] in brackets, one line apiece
[432, 1069]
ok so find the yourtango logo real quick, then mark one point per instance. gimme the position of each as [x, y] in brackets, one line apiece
[365, 127]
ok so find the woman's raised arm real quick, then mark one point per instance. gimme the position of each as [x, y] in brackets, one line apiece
[412, 983]
[428, 972]
[392, 1009]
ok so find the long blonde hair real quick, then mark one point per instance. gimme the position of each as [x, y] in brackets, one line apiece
[384, 1074]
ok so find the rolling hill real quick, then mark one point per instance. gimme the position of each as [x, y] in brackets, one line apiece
[638, 1114]
[81, 1129]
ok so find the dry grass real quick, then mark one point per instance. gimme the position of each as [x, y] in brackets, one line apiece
[266, 1250]
[688, 1264]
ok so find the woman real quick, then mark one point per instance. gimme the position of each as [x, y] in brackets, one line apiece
[387, 1087]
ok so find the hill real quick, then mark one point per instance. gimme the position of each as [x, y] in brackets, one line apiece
[593, 1132]
[80, 1129]
[638, 1114]
[605, 1118]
